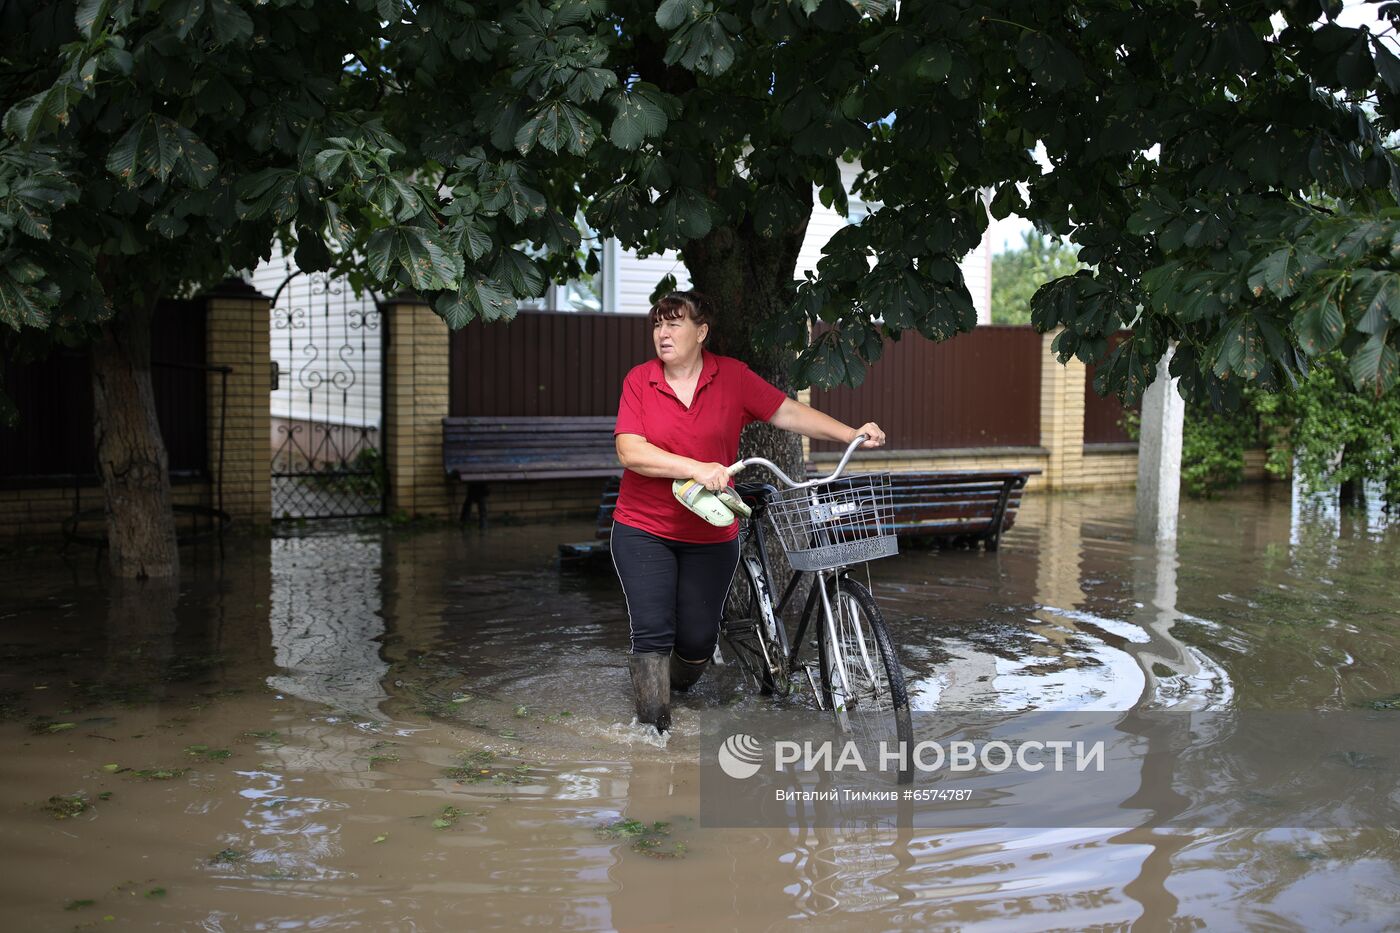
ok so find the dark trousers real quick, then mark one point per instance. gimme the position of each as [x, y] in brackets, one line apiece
[674, 590]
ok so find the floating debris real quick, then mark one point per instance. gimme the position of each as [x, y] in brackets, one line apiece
[647, 839]
[207, 753]
[66, 806]
[228, 855]
[160, 774]
[449, 817]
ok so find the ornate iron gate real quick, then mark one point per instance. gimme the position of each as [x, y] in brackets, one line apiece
[327, 401]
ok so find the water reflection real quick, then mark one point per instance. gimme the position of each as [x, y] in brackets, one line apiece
[370, 685]
[1318, 514]
[1030, 627]
[325, 621]
[1179, 675]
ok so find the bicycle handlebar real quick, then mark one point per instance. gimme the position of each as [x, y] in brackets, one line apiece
[793, 484]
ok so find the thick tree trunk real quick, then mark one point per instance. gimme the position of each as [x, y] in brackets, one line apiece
[748, 280]
[131, 457]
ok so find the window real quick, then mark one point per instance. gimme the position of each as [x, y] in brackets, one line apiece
[589, 292]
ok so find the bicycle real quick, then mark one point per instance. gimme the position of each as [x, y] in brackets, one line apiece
[825, 526]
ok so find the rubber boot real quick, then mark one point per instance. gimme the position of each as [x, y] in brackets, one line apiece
[685, 673]
[651, 686]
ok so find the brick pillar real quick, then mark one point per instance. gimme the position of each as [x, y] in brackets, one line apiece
[1061, 418]
[416, 359]
[805, 397]
[238, 335]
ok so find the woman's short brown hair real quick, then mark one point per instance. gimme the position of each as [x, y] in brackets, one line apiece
[676, 304]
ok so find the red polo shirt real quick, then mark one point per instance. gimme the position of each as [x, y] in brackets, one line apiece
[728, 396]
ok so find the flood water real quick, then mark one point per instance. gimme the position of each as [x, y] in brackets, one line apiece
[431, 730]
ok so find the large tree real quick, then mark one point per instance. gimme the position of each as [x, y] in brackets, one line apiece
[151, 145]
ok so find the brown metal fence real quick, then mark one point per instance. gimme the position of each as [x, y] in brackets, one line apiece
[979, 389]
[1103, 417]
[53, 442]
[546, 363]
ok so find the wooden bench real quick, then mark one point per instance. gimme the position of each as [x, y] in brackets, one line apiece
[965, 507]
[478, 450]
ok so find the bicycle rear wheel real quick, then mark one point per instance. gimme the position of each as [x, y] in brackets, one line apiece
[750, 630]
[862, 680]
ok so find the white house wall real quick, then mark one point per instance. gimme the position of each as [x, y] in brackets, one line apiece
[637, 278]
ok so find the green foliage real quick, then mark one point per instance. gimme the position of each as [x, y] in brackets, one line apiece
[1213, 445]
[1017, 273]
[1324, 431]
[1332, 433]
[1212, 449]
[152, 145]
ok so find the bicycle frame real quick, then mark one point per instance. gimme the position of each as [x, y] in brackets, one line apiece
[791, 647]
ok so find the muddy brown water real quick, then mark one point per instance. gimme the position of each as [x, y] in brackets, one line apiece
[385, 730]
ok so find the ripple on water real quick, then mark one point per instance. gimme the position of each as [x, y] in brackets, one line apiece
[354, 678]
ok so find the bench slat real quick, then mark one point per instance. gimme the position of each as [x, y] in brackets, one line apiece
[590, 473]
[479, 448]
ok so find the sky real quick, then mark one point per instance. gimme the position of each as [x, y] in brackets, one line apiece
[1007, 234]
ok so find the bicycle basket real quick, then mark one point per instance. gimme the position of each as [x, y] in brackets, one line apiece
[846, 521]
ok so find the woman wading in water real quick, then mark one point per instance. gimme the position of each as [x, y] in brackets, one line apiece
[679, 418]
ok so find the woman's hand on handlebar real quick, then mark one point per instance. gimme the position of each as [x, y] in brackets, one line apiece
[874, 436]
[713, 476]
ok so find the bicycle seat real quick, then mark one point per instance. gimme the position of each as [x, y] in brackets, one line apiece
[755, 494]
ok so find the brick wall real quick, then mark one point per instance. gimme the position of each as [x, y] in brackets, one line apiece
[40, 512]
[1108, 466]
[1061, 418]
[238, 336]
[416, 401]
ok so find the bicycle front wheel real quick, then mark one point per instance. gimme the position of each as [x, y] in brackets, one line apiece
[862, 680]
